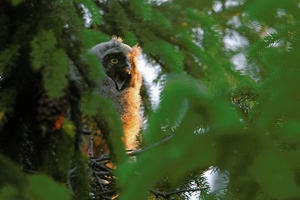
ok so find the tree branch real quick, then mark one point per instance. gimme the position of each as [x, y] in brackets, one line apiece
[168, 194]
[140, 151]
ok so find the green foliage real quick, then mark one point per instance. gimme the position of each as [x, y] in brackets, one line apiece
[7, 58]
[37, 185]
[42, 46]
[96, 71]
[55, 74]
[240, 116]
[59, 155]
[90, 103]
[82, 187]
[131, 39]
[8, 192]
[93, 104]
[189, 95]
[195, 110]
[141, 9]
[11, 175]
[93, 10]
[169, 55]
[7, 96]
[93, 37]
[16, 185]
[271, 179]
[16, 2]
[113, 120]
[65, 149]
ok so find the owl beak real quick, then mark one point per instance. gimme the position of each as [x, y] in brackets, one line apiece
[122, 77]
[119, 84]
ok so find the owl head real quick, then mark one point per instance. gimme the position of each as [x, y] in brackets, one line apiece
[119, 61]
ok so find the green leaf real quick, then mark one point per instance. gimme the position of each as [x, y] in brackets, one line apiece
[42, 46]
[141, 8]
[94, 37]
[266, 11]
[8, 192]
[7, 99]
[275, 176]
[16, 2]
[7, 58]
[54, 78]
[130, 38]
[169, 55]
[291, 131]
[225, 118]
[93, 10]
[83, 188]
[96, 70]
[93, 104]
[11, 174]
[69, 129]
[186, 92]
[112, 117]
[43, 187]
[89, 104]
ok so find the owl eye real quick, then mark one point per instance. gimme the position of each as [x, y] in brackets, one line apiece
[114, 61]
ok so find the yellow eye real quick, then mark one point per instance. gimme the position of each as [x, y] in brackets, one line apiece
[114, 61]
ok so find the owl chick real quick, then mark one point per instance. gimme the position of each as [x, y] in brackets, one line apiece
[121, 85]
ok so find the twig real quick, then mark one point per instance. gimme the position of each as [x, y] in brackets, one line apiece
[166, 195]
[91, 143]
[101, 166]
[30, 171]
[137, 152]
[100, 181]
[103, 184]
[100, 158]
[106, 192]
[86, 132]
[71, 171]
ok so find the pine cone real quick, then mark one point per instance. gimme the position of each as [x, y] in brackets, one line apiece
[51, 112]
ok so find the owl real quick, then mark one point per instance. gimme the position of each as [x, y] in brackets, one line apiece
[121, 84]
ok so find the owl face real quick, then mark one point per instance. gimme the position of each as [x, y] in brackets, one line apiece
[118, 68]
[119, 62]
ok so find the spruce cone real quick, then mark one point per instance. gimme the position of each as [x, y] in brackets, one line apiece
[51, 112]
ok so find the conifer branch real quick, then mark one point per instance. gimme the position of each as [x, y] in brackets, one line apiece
[140, 151]
[167, 195]
[83, 72]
